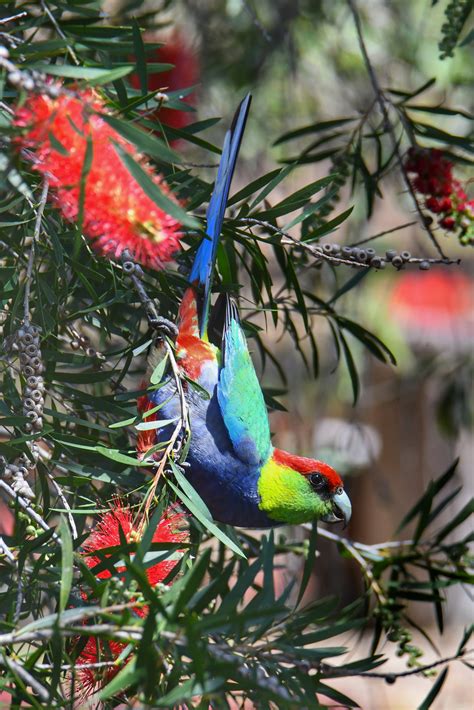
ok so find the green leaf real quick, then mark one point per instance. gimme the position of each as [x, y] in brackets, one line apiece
[154, 192]
[123, 423]
[113, 454]
[145, 142]
[95, 76]
[309, 562]
[140, 57]
[434, 488]
[463, 514]
[157, 374]
[190, 491]
[432, 695]
[155, 424]
[329, 226]
[196, 509]
[313, 128]
[351, 367]
[66, 563]
[127, 676]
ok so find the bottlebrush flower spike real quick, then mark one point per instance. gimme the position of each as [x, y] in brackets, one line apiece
[106, 534]
[117, 214]
[445, 195]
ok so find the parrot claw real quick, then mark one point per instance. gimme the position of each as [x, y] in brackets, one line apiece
[164, 327]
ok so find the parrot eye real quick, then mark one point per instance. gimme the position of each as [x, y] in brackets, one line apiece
[317, 480]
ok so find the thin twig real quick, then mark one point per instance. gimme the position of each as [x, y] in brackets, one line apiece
[65, 503]
[4, 549]
[12, 18]
[59, 31]
[26, 677]
[318, 252]
[382, 102]
[181, 430]
[382, 234]
[31, 256]
[28, 509]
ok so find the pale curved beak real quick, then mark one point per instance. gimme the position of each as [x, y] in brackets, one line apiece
[342, 510]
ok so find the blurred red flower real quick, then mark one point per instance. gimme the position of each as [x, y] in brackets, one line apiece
[434, 308]
[184, 74]
[116, 212]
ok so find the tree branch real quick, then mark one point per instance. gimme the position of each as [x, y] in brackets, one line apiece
[382, 102]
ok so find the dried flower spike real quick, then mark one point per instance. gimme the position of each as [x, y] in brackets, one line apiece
[117, 214]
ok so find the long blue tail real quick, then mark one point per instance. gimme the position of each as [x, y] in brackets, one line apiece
[204, 261]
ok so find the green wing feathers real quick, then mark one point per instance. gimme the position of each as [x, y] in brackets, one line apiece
[240, 398]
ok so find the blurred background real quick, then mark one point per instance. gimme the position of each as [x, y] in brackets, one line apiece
[302, 62]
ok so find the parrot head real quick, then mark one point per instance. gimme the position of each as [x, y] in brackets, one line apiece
[296, 489]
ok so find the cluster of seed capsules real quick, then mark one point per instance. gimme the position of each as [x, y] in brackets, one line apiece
[444, 195]
[17, 473]
[369, 256]
[28, 345]
[30, 80]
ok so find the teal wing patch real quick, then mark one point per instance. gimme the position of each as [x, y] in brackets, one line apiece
[240, 397]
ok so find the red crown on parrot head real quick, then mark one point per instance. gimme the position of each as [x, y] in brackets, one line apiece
[306, 466]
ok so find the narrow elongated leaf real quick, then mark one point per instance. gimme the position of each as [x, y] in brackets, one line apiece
[157, 374]
[313, 128]
[66, 563]
[126, 677]
[434, 692]
[95, 76]
[147, 143]
[204, 520]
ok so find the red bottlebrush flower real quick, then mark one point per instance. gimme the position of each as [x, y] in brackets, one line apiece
[433, 204]
[95, 651]
[117, 214]
[106, 534]
[445, 194]
[448, 223]
[184, 74]
[445, 204]
[421, 185]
